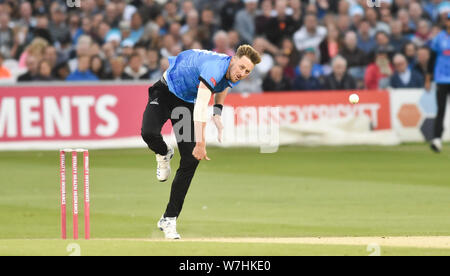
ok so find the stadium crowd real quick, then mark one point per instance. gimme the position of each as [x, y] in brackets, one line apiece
[305, 44]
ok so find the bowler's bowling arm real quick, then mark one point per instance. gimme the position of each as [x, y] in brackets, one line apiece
[201, 112]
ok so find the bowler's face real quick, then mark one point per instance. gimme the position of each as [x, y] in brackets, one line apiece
[240, 68]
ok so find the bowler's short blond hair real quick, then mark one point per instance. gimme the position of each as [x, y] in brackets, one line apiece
[250, 52]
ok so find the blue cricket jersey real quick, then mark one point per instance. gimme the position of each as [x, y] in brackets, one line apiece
[441, 45]
[192, 66]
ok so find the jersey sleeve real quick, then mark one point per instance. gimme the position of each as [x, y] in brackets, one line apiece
[210, 75]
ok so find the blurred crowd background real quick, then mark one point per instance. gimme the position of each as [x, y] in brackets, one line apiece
[305, 44]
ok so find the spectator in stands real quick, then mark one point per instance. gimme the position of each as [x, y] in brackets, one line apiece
[409, 51]
[195, 45]
[174, 30]
[431, 9]
[187, 40]
[51, 55]
[423, 64]
[416, 14]
[343, 7]
[82, 73]
[117, 66]
[26, 19]
[397, 39]
[366, 42]
[306, 81]
[263, 17]
[125, 32]
[355, 57]
[39, 7]
[32, 70]
[111, 15]
[62, 71]
[356, 13]
[339, 79]
[97, 67]
[331, 45]
[167, 42]
[85, 29]
[186, 7]
[276, 81]
[310, 35]
[83, 47]
[317, 70]
[228, 13]
[75, 26]
[44, 71]
[386, 19]
[126, 9]
[422, 35]
[245, 21]
[403, 76]
[234, 39]
[322, 8]
[311, 8]
[208, 28]
[379, 72]
[57, 27]
[149, 10]
[222, 44]
[407, 26]
[102, 33]
[41, 29]
[382, 40]
[297, 13]
[261, 45]
[164, 64]
[343, 23]
[282, 60]
[192, 22]
[288, 48]
[127, 48]
[154, 70]
[97, 19]
[281, 25]
[7, 40]
[170, 13]
[375, 24]
[136, 28]
[135, 70]
[36, 48]
[141, 50]
[4, 72]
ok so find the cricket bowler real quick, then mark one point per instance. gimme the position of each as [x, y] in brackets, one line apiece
[187, 85]
[440, 45]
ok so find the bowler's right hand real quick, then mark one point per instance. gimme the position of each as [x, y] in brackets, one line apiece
[199, 151]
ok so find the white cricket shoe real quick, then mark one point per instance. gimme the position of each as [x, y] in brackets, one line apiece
[163, 169]
[169, 227]
[436, 145]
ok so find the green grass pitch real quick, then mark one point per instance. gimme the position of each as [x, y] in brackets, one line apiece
[296, 192]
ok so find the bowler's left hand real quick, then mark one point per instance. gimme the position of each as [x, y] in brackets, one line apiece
[217, 119]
